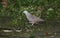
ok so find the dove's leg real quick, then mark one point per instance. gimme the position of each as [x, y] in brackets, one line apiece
[32, 23]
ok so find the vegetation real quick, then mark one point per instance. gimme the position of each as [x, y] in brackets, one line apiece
[12, 17]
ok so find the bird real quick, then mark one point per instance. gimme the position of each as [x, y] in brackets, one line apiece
[32, 18]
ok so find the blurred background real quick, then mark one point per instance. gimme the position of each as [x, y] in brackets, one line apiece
[13, 18]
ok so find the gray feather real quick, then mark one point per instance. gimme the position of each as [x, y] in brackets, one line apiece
[31, 18]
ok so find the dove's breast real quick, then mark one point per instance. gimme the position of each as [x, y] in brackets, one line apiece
[30, 18]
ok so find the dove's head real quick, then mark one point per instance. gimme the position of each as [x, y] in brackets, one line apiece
[25, 12]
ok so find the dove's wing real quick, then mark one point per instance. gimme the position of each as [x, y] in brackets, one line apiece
[37, 19]
[30, 17]
[33, 18]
